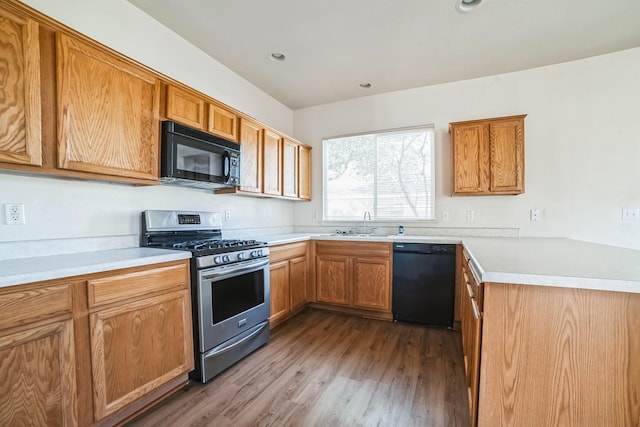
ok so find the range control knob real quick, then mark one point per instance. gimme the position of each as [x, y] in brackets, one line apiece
[241, 256]
[217, 260]
[226, 258]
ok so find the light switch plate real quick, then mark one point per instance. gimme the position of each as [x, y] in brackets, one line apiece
[536, 215]
[630, 214]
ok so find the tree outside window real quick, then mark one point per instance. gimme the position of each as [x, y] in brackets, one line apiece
[390, 174]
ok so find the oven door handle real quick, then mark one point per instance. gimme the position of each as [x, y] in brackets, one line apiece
[225, 271]
[217, 351]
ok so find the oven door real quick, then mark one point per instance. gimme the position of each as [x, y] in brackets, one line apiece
[231, 300]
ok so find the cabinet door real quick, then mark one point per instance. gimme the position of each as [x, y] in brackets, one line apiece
[298, 282]
[371, 283]
[38, 385]
[185, 107]
[469, 159]
[137, 347]
[332, 279]
[272, 171]
[279, 282]
[304, 173]
[506, 148]
[251, 156]
[289, 168]
[223, 123]
[20, 133]
[108, 113]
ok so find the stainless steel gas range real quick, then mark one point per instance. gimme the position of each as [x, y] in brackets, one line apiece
[229, 286]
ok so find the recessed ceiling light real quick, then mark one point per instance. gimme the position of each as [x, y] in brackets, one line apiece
[365, 85]
[465, 6]
[277, 56]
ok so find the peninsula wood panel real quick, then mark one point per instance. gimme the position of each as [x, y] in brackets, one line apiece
[20, 101]
[251, 156]
[372, 283]
[559, 357]
[138, 347]
[289, 168]
[185, 107]
[304, 172]
[38, 385]
[108, 113]
[223, 123]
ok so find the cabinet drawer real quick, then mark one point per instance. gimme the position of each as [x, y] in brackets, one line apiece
[359, 249]
[30, 304]
[287, 251]
[135, 283]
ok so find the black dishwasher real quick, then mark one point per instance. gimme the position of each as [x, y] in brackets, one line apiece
[424, 278]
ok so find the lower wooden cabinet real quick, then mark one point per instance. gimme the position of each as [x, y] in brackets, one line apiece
[96, 348]
[471, 327]
[288, 280]
[38, 371]
[550, 356]
[354, 274]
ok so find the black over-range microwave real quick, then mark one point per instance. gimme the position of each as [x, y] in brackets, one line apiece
[198, 159]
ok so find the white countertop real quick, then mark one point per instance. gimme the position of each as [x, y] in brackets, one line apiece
[555, 262]
[527, 260]
[29, 270]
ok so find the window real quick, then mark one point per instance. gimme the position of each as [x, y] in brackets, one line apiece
[390, 174]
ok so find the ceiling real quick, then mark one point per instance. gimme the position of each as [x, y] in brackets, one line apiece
[331, 46]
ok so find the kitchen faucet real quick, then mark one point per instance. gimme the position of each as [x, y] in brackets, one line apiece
[364, 221]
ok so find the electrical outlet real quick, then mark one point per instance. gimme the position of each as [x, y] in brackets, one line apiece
[445, 215]
[227, 215]
[14, 214]
[536, 215]
[470, 215]
[630, 214]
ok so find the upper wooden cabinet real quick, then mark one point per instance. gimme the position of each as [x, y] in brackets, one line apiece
[199, 112]
[223, 123]
[304, 172]
[272, 163]
[20, 126]
[108, 113]
[290, 167]
[250, 156]
[185, 107]
[488, 156]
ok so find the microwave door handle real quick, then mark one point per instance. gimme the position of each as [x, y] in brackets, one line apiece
[226, 166]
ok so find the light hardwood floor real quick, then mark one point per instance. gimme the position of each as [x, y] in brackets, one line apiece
[326, 369]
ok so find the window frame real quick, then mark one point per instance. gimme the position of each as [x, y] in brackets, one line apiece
[385, 220]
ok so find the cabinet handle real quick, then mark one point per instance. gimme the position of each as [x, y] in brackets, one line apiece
[470, 291]
[473, 273]
[476, 311]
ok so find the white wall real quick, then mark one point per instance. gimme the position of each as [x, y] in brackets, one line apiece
[61, 208]
[582, 144]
